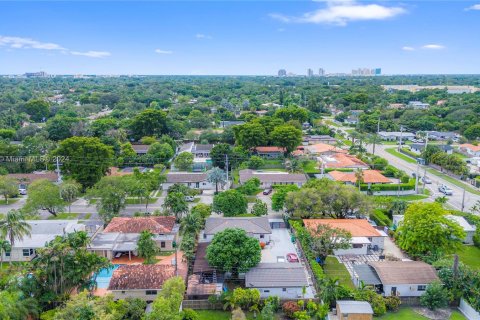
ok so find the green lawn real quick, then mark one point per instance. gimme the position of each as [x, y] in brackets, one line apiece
[410, 197]
[251, 199]
[310, 166]
[454, 181]
[334, 269]
[139, 201]
[394, 152]
[409, 314]
[470, 255]
[64, 216]
[219, 315]
[10, 201]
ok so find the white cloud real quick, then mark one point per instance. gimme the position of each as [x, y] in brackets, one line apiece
[160, 51]
[27, 43]
[92, 54]
[340, 12]
[433, 47]
[407, 48]
[202, 36]
[474, 7]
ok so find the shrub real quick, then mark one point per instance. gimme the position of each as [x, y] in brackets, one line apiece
[408, 185]
[301, 315]
[392, 303]
[267, 312]
[251, 187]
[189, 314]
[436, 296]
[274, 301]
[289, 308]
[476, 238]
[238, 314]
[380, 218]
[255, 162]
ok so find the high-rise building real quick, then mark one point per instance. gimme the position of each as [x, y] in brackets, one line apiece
[310, 72]
[282, 73]
[378, 71]
[41, 74]
[321, 72]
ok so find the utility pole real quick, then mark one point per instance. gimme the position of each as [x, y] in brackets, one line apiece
[226, 167]
[463, 199]
[425, 163]
[455, 266]
[401, 134]
[375, 137]
[416, 177]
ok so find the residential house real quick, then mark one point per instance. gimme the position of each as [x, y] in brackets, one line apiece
[341, 161]
[255, 227]
[24, 179]
[194, 180]
[140, 149]
[270, 152]
[285, 280]
[369, 177]
[353, 310]
[396, 135]
[418, 105]
[306, 125]
[396, 278]
[122, 233]
[396, 106]
[314, 139]
[419, 147]
[201, 155]
[467, 227]
[353, 118]
[205, 280]
[469, 149]
[365, 238]
[226, 124]
[202, 150]
[270, 178]
[319, 149]
[440, 135]
[139, 281]
[41, 233]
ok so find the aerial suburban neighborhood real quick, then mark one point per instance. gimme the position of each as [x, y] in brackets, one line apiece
[214, 160]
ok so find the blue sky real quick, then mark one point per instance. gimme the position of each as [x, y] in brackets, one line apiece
[239, 38]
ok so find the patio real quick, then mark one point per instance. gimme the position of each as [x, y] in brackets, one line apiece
[350, 260]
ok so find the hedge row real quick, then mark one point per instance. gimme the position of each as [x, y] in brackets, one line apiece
[389, 187]
[380, 218]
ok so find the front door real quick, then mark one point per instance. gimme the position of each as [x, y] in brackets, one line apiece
[394, 292]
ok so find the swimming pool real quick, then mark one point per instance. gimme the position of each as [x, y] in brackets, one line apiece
[103, 276]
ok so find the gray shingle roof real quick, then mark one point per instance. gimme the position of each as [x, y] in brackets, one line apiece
[367, 274]
[354, 307]
[276, 275]
[271, 177]
[254, 225]
[182, 177]
[404, 272]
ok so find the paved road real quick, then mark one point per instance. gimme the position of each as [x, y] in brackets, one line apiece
[455, 200]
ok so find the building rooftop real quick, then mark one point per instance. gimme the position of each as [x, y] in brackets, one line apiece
[320, 148]
[185, 177]
[404, 272]
[369, 176]
[156, 225]
[269, 149]
[340, 160]
[254, 225]
[37, 175]
[467, 227]
[136, 277]
[274, 275]
[470, 146]
[356, 227]
[272, 176]
[354, 307]
[367, 274]
[140, 148]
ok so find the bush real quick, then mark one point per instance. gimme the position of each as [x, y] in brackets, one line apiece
[410, 185]
[251, 187]
[476, 238]
[380, 218]
[436, 296]
[274, 301]
[189, 314]
[255, 162]
[301, 315]
[267, 312]
[392, 303]
[289, 308]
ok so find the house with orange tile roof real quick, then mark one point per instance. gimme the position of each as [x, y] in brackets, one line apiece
[341, 161]
[270, 152]
[369, 177]
[365, 238]
[469, 149]
[322, 149]
[122, 233]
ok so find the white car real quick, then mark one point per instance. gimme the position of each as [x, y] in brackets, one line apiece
[445, 190]
[189, 198]
[22, 191]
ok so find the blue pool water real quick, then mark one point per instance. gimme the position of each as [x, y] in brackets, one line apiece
[104, 275]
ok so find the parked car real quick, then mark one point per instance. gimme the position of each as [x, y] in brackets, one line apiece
[266, 192]
[415, 175]
[292, 257]
[445, 190]
[189, 198]
[22, 191]
[426, 180]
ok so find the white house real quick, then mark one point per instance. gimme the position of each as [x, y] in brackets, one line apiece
[467, 227]
[41, 232]
[194, 180]
[365, 238]
[285, 280]
[469, 149]
[255, 227]
[418, 105]
[419, 147]
[395, 135]
[270, 178]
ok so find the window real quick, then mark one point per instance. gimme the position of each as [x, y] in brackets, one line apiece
[284, 289]
[7, 253]
[197, 185]
[150, 292]
[422, 288]
[262, 236]
[26, 252]
[162, 244]
[204, 236]
[266, 290]
[123, 292]
[357, 245]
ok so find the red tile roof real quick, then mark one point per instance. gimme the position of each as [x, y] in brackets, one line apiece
[340, 160]
[30, 177]
[357, 227]
[156, 225]
[320, 148]
[132, 277]
[469, 146]
[369, 176]
[269, 149]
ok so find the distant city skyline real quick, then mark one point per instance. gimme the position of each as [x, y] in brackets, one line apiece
[239, 38]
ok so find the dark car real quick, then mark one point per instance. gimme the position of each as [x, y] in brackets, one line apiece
[266, 192]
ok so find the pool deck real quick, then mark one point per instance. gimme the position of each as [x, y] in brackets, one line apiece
[163, 260]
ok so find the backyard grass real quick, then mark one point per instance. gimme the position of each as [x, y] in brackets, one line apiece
[454, 181]
[10, 201]
[470, 255]
[394, 152]
[409, 314]
[334, 269]
[410, 197]
[64, 216]
[310, 166]
[222, 315]
[139, 201]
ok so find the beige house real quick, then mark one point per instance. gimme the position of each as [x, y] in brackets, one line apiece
[353, 310]
[121, 235]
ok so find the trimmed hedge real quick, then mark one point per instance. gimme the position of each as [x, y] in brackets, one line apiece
[389, 187]
[380, 218]
[410, 153]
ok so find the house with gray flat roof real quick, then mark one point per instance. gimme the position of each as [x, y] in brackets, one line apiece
[353, 310]
[255, 227]
[284, 280]
[41, 233]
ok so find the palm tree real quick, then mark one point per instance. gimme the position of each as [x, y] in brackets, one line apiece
[14, 227]
[216, 176]
[329, 290]
[4, 247]
[359, 176]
